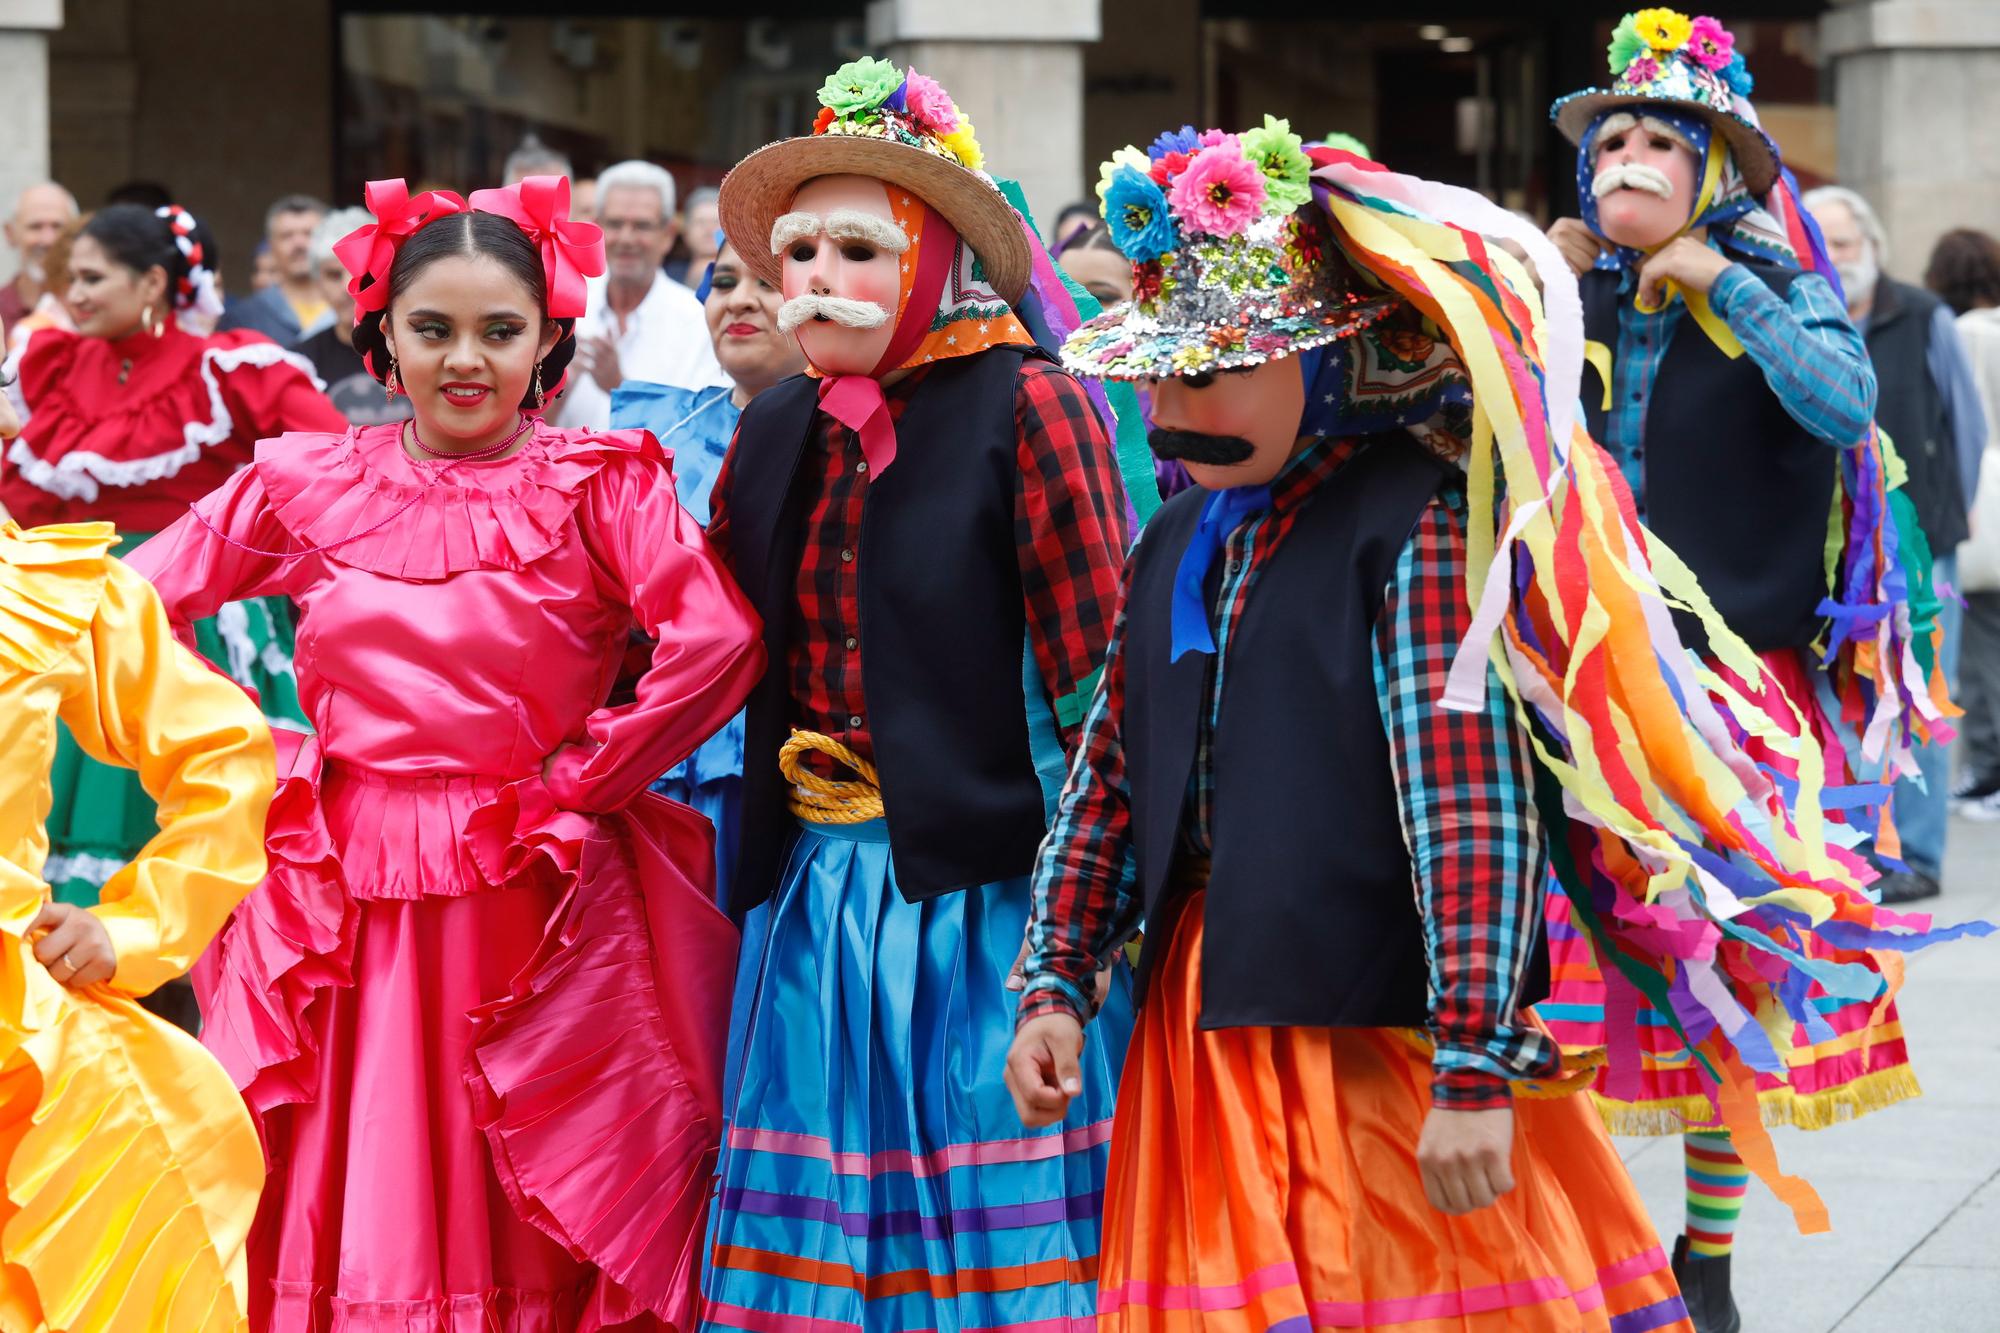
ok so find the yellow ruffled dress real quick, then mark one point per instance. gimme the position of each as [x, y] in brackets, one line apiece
[131, 1168]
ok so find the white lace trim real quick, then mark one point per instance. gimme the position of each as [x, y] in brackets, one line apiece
[78, 475]
[232, 624]
[81, 865]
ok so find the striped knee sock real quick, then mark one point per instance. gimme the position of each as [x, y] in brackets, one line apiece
[1716, 1183]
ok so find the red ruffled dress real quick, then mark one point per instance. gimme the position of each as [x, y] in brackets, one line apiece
[478, 1015]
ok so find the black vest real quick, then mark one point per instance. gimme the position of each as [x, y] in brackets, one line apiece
[1311, 915]
[942, 627]
[1734, 485]
[1910, 409]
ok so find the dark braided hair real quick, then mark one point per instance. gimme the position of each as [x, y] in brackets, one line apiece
[468, 234]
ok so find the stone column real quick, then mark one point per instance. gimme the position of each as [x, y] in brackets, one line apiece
[1015, 67]
[24, 97]
[1917, 87]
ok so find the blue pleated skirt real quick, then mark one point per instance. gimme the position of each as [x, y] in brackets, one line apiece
[711, 782]
[874, 1173]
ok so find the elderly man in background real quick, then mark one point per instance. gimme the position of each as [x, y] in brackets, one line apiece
[293, 308]
[1929, 406]
[38, 218]
[640, 324]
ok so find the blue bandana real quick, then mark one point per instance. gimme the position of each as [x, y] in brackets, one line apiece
[1734, 217]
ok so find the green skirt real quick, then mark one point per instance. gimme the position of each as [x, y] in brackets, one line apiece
[101, 816]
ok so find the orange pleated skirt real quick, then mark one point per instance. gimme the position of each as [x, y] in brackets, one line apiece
[1266, 1179]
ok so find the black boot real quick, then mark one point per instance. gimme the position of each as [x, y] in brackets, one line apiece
[1705, 1289]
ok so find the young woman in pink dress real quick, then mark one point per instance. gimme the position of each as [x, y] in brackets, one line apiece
[477, 1008]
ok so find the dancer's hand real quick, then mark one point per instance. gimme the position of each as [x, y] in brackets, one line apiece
[1577, 244]
[1042, 1068]
[1466, 1158]
[1684, 259]
[77, 948]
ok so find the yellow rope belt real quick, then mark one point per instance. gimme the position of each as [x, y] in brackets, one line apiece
[820, 800]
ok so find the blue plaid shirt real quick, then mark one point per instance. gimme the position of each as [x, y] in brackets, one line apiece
[1810, 354]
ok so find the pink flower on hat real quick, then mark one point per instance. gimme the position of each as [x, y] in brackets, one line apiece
[1642, 70]
[1221, 192]
[1711, 44]
[929, 104]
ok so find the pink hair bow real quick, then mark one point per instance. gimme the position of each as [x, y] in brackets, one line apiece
[369, 250]
[571, 251]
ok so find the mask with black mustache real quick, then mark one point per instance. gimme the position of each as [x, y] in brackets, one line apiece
[1192, 447]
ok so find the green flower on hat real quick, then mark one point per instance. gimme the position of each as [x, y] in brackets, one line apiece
[1626, 44]
[1280, 155]
[859, 86]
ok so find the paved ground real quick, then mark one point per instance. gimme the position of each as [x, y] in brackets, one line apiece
[1915, 1189]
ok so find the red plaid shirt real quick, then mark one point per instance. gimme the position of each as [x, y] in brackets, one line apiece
[1069, 528]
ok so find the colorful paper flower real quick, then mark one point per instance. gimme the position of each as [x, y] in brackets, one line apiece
[1347, 143]
[1183, 141]
[1664, 30]
[1135, 209]
[1280, 155]
[1221, 192]
[860, 86]
[824, 121]
[1737, 75]
[929, 105]
[1216, 139]
[964, 146]
[1128, 156]
[1711, 44]
[1626, 44]
[1166, 168]
[1641, 71]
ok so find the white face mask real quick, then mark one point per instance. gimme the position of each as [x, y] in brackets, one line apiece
[1860, 276]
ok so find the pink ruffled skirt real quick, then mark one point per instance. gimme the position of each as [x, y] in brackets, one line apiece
[489, 1101]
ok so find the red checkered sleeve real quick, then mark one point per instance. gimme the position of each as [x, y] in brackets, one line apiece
[1465, 790]
[1086, 899]
[1069, 523]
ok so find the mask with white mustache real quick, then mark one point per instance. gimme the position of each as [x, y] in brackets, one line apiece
[1633, 175]
[838, 309]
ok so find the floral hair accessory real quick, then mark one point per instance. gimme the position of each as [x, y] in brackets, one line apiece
[571, 251]
[196, 288]
[369, 251]
[1662, 56]
[1232, 263]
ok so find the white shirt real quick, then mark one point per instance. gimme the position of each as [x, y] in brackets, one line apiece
[665, 340]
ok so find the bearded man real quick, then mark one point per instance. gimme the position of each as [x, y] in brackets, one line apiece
[935, 499]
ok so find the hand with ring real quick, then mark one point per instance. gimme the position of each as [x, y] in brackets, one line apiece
[73, 945]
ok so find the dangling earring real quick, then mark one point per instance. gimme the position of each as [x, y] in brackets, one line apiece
[390, 387]
[538, 384]
[146, 321]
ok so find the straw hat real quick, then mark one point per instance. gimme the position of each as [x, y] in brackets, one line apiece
[1659, 57]
[898, 126]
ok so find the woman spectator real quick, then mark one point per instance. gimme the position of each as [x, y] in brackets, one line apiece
[1965, 271]
[696, 426]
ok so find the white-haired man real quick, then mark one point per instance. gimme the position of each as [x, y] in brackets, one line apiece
[38, 218]
[1929, 405]
[640, 323]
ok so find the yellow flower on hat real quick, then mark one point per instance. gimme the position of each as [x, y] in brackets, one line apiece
[1665, 30]
[963, 146]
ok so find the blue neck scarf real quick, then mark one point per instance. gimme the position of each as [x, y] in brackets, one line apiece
[1222, 512]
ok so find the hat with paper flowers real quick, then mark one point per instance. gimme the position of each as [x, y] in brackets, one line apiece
[1232, 262]
[878, 119]
[1663, 57]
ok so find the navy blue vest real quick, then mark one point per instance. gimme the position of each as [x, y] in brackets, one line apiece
[1734, 485]
[1910, 407]
[942, 627]
[1311, 916]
